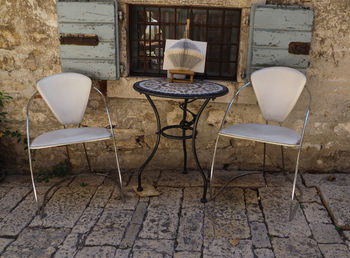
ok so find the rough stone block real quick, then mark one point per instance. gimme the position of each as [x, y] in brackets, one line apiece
[11, 199]
[221, 247]
[153, 248]
[316, 180]
[187, 254]
[110, 228]
[264, 253]
[96, 251]
[36, 242]
[309, 195]
[325, 233]
[73, 199]
[130, 236]
[316, 213]
[276, 203]
[336, 199]
[252, 205]
[334, 250]
[69, 246]
[162, 215]
[4, 242]
[226, 216]
[192, 196]
[19, 218]
[295, 247]
[87, 220]
[259, 235]
[190, 236]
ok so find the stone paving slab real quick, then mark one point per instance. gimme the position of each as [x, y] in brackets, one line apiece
[153, 248]
[252, 205]
[264, 253]
[295, 247]
[276, 203]
[4, 242]
[325, 233]
[190, 236]
[245, 220]
[36, 243]
[96, 251]
[334, 250]
[337, 202]
[316, 213]
[221, 247]
[110, 228]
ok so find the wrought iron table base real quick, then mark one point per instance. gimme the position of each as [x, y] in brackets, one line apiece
[184, 126]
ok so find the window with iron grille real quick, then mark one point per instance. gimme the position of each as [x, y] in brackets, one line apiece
[151, 26]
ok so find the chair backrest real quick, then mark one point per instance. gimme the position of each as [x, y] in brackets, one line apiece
[67, 95]
[277, 90]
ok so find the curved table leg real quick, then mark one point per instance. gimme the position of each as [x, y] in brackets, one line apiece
[184, 135]
[139, 187]
[205, 183]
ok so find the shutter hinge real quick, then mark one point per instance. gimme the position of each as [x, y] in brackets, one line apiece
[246, 20]
[121, 68]
[120, 15]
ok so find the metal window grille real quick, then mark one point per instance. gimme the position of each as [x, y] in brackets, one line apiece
[151, 26]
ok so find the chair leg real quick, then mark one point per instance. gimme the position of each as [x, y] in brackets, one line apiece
[282, 157]
[264, 162]
[33, 183]
[212, 168]
[296, 173]
[87, 158]
[119, 173]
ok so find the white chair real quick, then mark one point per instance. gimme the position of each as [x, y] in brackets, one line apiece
[277, 90]
[67, 95]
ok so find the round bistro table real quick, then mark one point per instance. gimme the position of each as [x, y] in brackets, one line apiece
[189, 92]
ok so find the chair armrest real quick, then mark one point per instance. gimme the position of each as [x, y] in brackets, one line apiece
[231, 102]
[27, 116]
[107, 110]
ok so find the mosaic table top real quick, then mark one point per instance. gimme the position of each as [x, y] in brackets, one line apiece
[164, 88]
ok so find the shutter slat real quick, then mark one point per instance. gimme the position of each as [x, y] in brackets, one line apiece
[272, 29]
[90, 18]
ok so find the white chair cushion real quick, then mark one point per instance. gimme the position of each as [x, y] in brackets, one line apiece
[263, 133]
[70, 136]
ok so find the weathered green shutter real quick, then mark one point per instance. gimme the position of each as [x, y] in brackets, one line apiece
[83, 19]
[279, 36]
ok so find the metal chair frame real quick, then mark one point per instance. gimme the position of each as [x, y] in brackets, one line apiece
[299, 146]
[86, 155]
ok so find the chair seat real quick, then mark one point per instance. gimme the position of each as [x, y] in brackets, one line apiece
[70, 136]
[263, 133]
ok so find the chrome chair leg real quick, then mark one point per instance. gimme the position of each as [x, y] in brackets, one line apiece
[296, 173]
[33, 183]
[87, 158]
[119, 173]
[212, 168]
[264, 162]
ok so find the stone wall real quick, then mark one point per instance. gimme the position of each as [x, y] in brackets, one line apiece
[29, 50]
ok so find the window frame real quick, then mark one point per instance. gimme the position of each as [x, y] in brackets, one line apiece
[236, 43]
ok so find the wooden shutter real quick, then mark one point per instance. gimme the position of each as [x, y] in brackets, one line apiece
[88, 34]
[279, 36]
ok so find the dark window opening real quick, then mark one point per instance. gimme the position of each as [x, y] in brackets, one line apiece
[151, 26]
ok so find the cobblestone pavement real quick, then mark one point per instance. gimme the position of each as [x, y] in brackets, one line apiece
[84, 216]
